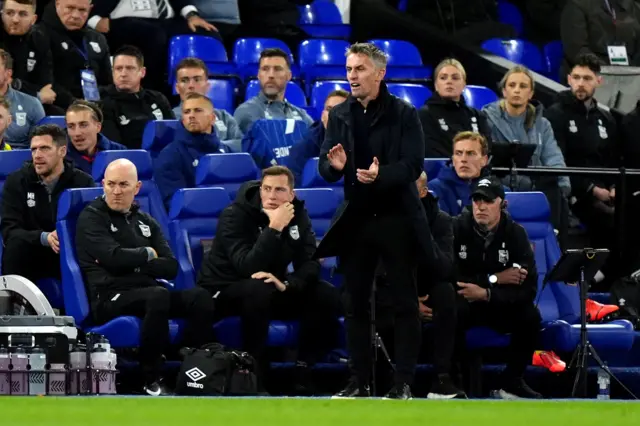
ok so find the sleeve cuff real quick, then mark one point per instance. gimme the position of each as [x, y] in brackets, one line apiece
[187, 10]
[43, 239]
[93, 21]
[150, 255]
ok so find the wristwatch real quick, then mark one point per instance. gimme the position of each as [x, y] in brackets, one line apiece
[190, 14]
[493, 279]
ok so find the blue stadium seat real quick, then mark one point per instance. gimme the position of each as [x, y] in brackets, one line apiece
[322, 19]
[293, 93]
[510, 14]
[228, 171]
[479, 96]
[269, 141]
[193, 220]
[246, 55]
[322, 60]
[221, 93]
[402, 5]
[321, 90]
[158, 134]
[553, 55]
[149, 196]
[209, 49]
[10, 161]
[54, 119]
[433, 165]
[122, 332]
[311, 179]
[558, 302]
[415, 94]
[518, 51]
[403, 60]
[321, 204]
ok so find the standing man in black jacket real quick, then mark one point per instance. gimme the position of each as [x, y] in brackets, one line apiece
[497, 277]
[78, 60]
[122, 254]
[374, 140]
[258, 236]
[30, 203]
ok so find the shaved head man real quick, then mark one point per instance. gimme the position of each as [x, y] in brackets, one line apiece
[121, 184]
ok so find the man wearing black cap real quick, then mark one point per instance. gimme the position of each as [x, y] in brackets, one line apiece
[497, 277]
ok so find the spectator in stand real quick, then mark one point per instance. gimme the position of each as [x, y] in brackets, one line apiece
[455, 182]
[30, 195]
[26, 111]
[77, 58]
[84, 123]
[274, 74]
[126, 106]
[309, 146]
[175, 167]
[446, 113]
[594, 26]
[224, 15]
[192, 77]
[5, 121]
[149, 25]
[28, 52]
[470, 21]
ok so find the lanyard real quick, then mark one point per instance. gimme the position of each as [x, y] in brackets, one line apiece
[611, 10]
[84, 52]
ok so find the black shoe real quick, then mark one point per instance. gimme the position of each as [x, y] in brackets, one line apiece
[443, 388]
[155, 389]
[402, 392]
[517, 389]
[352, 391]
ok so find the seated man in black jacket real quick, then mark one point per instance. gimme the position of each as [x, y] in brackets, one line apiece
[496, 274]
[122, 254]
[29, 197]
[258, 236]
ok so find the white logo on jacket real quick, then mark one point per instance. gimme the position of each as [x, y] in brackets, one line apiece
[95, 46]
[31, 199]
[462, 254]
[294, 232]
[145, 229]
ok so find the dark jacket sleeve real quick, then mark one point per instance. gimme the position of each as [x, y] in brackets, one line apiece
[442, 256]
[14, 213]
[304, 150]
[165, 106]
[104, 75]
[574, 31]
[522, 254]
[246, 255]
[411, 162]
[166, 265]
[169, 174]
[110, 126]
[332, 137]
[305, 268]
[433, 143]
[94, 237]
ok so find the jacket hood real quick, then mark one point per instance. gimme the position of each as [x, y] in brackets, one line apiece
[437, 100]
[202, 142]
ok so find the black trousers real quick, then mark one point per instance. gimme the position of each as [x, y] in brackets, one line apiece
[391, 240]
[522, 321]
[152, 37]
[30, 261]
[155, 306]
[442, 299]
[317, 306]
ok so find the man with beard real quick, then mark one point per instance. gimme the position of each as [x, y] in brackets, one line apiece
[588, 137]
[274, 74]
[29, 197]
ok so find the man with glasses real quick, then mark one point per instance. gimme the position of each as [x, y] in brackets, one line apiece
[258, 236]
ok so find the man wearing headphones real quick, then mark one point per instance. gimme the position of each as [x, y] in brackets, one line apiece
[497, 279]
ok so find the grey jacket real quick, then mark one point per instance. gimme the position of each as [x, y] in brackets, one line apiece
[26, 112]
[226, 128]
[547, 152]
[260, 107]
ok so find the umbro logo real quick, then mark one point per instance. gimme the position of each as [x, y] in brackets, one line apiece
[195, 374]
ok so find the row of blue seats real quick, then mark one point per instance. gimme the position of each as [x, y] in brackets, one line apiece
[524, 52]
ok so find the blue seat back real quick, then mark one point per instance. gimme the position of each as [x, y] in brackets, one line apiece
[510, 14]
[228, 171]
[246, 53]
[321, 204]
[221, 93]
[553, 55]
[433, 165]
[400, 53]
[149, 196]
[531, 210]
[269, 141]
[76, 301]
[10, 161]
[321, 13]
[322, 59]
[321, 90]
[158, 134]
[478, 96]
[311, 179]
[209, 49]
[294, 94]
[414, 94]
[193, 217]
[58, 120]
[518, 51]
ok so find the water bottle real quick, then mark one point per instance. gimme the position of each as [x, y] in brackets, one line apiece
[78, 361]
[37, 367]
[100, 378]
[5, 362]
[113, 360]
[604, 384]
[19, 366]
[57, 379]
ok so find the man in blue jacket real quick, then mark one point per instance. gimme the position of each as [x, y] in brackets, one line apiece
[454, 183]
[309, 146]
[84, 122]
[175, 167]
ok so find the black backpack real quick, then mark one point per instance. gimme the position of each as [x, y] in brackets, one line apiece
[625, 293]
[214, 370]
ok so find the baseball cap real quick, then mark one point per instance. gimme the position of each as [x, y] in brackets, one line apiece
[489, 188]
